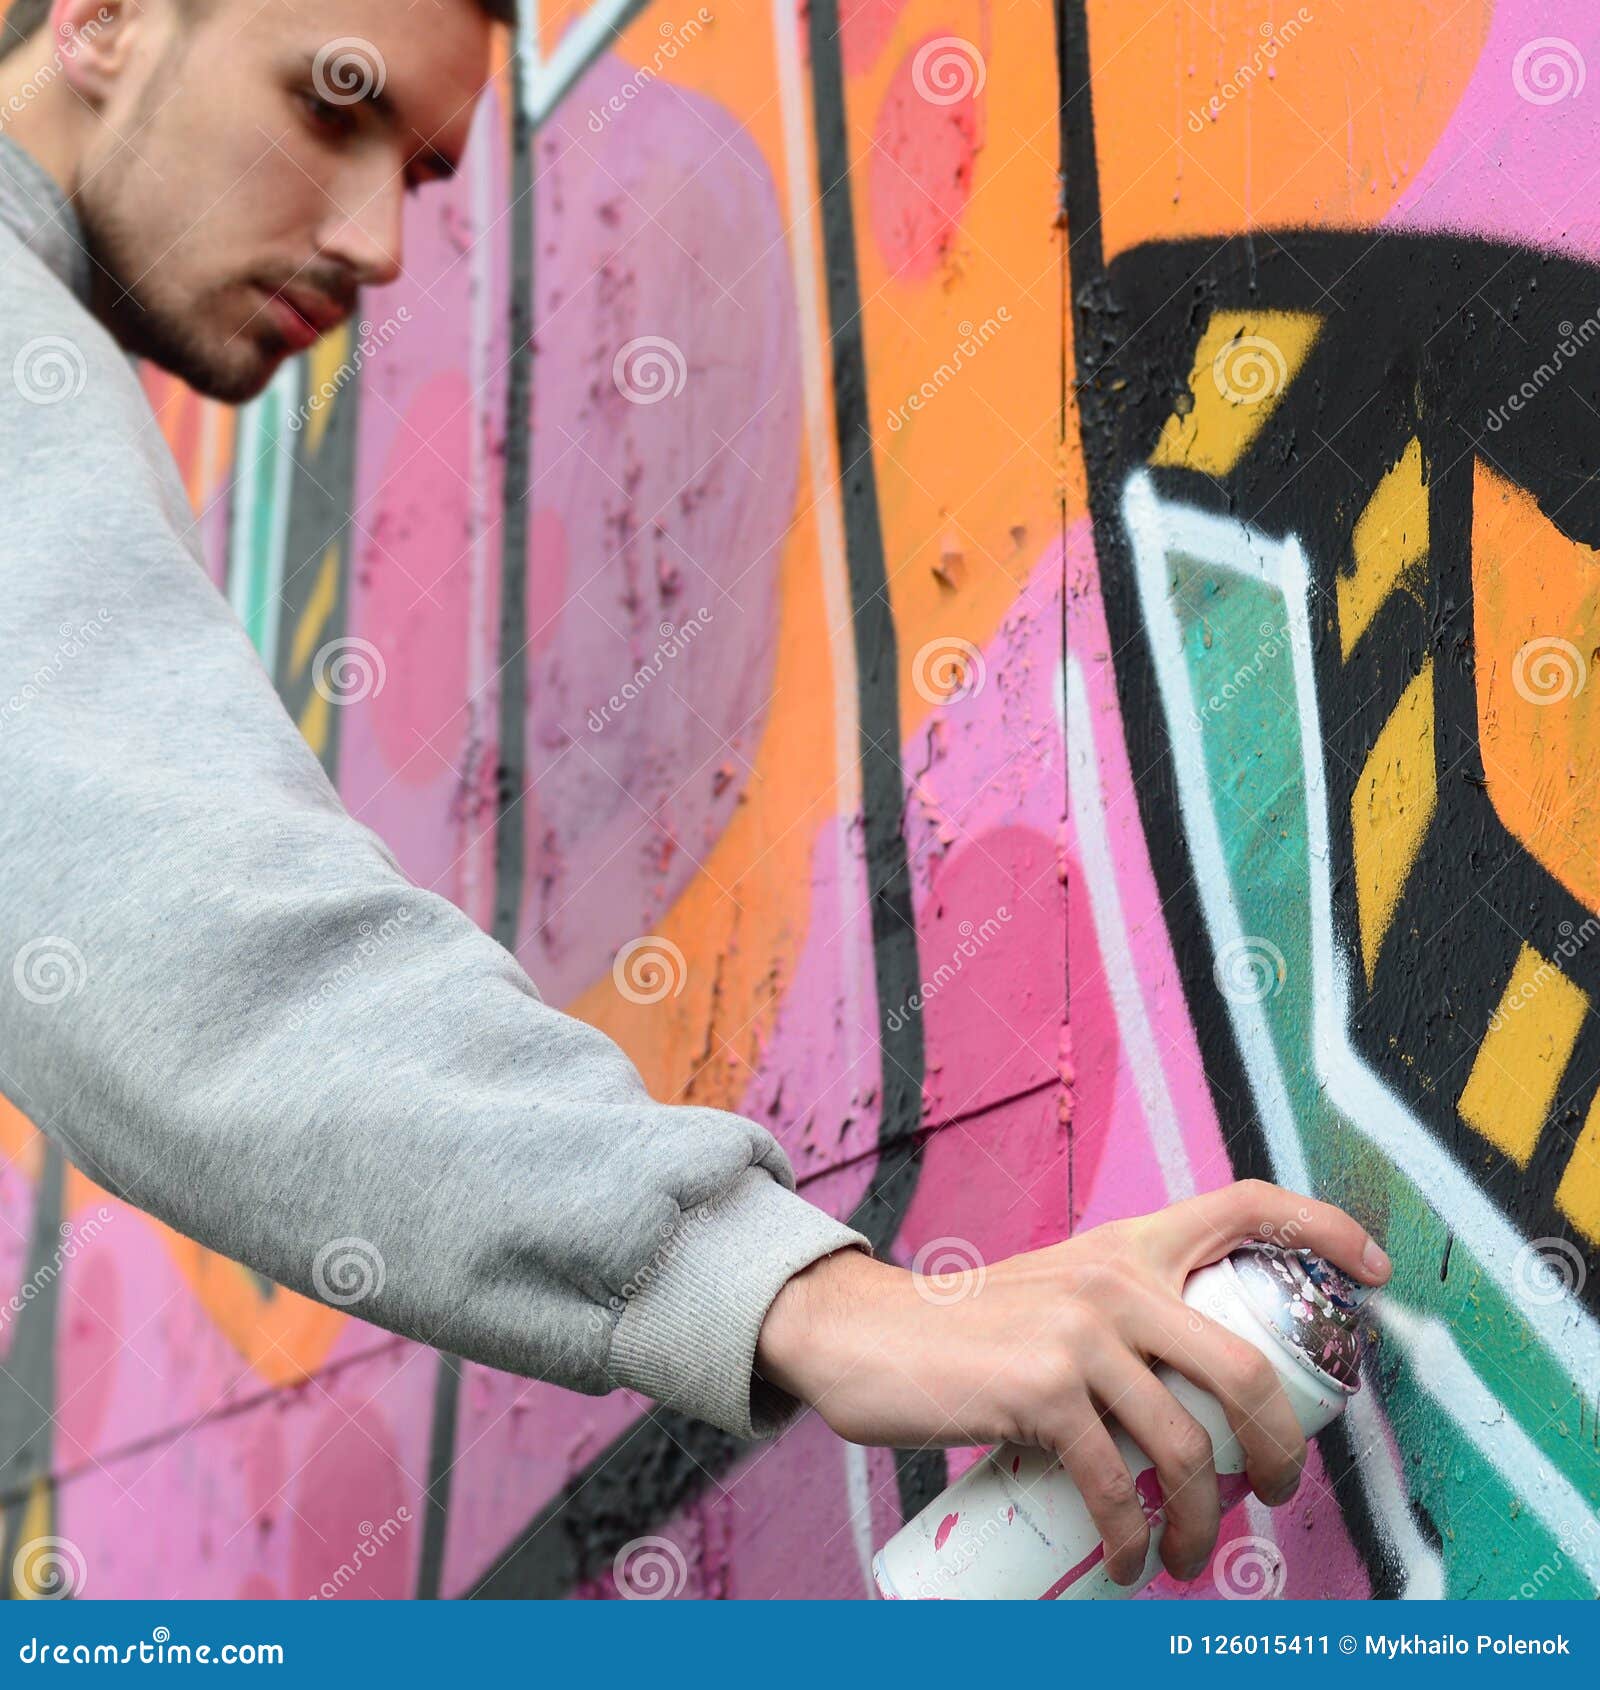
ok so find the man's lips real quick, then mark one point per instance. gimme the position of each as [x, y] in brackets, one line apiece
[302, 318]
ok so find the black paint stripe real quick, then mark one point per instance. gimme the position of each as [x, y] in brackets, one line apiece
[659, 1466]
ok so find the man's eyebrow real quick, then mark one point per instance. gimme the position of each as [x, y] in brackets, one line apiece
[439, 166]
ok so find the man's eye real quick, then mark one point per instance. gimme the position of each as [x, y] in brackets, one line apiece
[335, 120]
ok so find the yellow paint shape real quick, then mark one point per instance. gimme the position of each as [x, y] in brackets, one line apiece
[1523, 1056]
[1390, 810]
[1390, 540]
[1578, 1195]
[1242, 368]
[36, 1567]
[325, 361]
[1536, 636]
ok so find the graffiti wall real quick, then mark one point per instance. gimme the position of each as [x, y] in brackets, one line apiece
[850, 508]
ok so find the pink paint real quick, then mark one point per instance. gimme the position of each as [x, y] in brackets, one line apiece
[946, 1526]
[1503, 166]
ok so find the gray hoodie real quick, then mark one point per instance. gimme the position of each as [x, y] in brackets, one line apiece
[417, 1137]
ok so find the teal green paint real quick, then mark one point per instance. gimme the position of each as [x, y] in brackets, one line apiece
[1244, 693]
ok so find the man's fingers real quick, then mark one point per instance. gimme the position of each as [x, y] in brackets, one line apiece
[1204, 1229]
[1087, 1452]
[1242, 1380]
[1179, 1449]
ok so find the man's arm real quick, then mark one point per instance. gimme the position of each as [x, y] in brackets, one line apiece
[224, 999]
[1046, 1347]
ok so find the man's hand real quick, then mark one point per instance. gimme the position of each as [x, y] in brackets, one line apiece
[1048, 1346]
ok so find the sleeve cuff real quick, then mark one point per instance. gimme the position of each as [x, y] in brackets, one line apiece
[688, 1329]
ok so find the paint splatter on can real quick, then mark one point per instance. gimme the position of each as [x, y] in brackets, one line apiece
[1014, 1525]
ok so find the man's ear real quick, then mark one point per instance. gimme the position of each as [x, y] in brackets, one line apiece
[95, 39]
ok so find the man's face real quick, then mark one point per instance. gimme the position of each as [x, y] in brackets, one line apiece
[252, 166]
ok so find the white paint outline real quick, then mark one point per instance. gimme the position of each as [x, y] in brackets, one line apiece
[1565, 1328]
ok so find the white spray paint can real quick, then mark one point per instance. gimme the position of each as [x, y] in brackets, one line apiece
[1014, 1525]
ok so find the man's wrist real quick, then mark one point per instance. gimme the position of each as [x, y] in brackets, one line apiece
[819, 1325]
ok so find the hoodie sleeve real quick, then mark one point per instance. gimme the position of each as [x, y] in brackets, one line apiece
[232, 1009]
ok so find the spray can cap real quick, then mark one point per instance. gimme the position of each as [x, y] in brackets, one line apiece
[1313, 1307]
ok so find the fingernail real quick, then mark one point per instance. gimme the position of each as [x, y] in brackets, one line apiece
[1375, 1259]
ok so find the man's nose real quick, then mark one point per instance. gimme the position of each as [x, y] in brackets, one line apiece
[366, 236]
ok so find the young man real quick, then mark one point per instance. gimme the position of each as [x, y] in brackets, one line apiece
[208, 184]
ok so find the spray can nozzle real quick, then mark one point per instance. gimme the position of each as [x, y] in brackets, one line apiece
[1314, 1307]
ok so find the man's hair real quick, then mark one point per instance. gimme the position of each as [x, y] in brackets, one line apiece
[23, 17]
